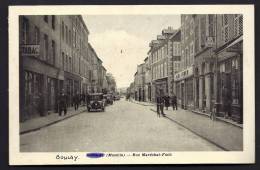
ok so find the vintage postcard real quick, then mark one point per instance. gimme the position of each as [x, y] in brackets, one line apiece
[133, 84]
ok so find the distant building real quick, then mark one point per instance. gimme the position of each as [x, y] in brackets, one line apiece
[147, 79]
[139, 83]
[162, 63]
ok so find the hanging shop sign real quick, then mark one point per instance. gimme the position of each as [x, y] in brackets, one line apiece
[30, 50]
[183, 74]
[210, 41]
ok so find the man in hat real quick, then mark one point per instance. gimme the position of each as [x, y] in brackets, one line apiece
[62, 103]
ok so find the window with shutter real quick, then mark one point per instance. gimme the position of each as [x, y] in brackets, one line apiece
[226, 28]
[240, 25]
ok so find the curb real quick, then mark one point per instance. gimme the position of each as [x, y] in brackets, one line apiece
[51, 123]
[210, 141]
[219, 119]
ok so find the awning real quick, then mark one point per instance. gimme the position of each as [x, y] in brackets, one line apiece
[235, 46]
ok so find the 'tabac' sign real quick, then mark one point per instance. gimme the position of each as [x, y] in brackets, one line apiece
[30, 50]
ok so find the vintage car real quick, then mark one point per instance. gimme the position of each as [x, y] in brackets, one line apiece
[108, 98]
[117, 97]
[96, 102]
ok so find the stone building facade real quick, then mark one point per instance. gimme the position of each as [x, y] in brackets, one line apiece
[162, 63]
[54, 55]
[229, 64]
[184, 78]
[204, 63]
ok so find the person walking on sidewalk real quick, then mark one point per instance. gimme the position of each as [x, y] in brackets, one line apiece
[167, 101]
[174, 102]
[160, 105]
[62, 103]
[76, 100]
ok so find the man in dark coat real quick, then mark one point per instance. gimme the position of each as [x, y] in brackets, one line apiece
[160, 105]
[174, 102]
[76, 100]
[167, 101]
[62, 103]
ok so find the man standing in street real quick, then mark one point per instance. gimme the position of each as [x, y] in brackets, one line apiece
[62, 103]
[160, 104]
[76, 100]
[174, 102]
[167, 101]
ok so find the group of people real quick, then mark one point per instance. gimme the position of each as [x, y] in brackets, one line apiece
[63, 101]
[165, 101]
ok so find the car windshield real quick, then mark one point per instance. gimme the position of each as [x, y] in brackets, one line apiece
[96, 97]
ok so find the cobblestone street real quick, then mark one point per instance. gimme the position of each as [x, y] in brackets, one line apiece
[124, 126]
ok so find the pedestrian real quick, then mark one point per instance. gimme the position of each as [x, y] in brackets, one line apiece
[167, 101]
[174, 102]
[160, 104]
[62, 103]
[76, 101]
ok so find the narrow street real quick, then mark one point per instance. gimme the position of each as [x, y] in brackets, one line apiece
[124, 126]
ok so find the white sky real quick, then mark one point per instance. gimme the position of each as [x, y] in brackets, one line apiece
[109, 34]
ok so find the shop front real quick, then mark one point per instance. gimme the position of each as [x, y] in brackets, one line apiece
[39, 88]
[72, 86]
[160, 87]
[230, 81]
[184, 88]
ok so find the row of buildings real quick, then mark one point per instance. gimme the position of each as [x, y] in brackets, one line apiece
[200, 63]
[55, 54]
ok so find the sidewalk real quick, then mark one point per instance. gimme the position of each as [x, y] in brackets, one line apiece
[223, 134]
[40, 122]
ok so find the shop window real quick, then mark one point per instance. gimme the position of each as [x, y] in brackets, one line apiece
[33, 84]
[235, 90]
[235, 64]
[222, 67]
